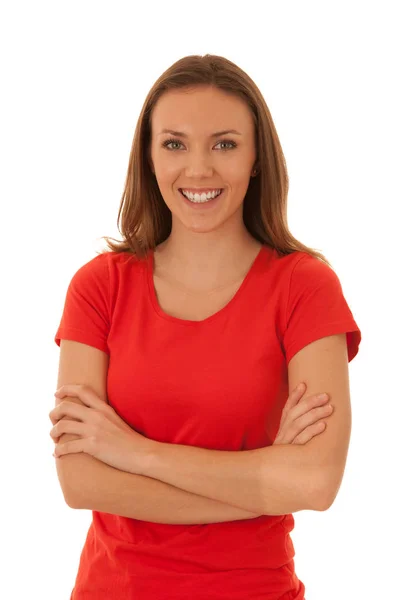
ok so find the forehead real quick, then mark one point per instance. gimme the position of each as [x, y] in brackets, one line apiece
[200, 108]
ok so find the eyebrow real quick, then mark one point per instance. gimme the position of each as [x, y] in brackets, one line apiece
[184, 135]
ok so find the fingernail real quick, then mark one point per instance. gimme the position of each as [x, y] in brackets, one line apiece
[322, 396]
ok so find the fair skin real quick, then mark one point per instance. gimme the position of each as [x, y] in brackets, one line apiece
[209, 246]
[102, 434]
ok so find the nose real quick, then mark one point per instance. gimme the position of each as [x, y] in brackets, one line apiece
[198, 167]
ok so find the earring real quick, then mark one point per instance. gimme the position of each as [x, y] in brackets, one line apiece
[254, 172]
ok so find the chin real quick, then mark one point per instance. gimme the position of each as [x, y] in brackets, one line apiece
[209, 224]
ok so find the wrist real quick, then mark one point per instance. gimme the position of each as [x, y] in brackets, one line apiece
[152, 450]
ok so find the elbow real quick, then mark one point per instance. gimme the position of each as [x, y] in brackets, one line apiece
[323, 502]
[65, 472]
[77, 499]
[326, 492]
[71, 500]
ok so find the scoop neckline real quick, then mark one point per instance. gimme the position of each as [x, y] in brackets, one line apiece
[159, 311]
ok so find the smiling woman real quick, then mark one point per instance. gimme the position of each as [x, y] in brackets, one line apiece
[203, 159]
[209, 313]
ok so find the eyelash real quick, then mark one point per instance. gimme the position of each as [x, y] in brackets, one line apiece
[165, 144]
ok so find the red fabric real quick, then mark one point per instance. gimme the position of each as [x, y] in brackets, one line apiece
[221, 384]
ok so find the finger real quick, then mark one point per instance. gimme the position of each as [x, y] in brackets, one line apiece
[312, 416]
[307, 404]
[294, 397]
[72, 447]
[295, 427]
[312, 431]
[70, 409]
[57, 419]
[61, 427]
[83, 392]
[53, 416]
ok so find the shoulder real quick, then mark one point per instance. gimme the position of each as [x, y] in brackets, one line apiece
[296, 266]
[104, 272]
[308, 271]
[302, 269]
[303, 261]
[107, 263]
[123, 266]
[310, 279]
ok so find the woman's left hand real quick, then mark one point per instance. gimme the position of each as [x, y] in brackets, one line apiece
[103, 434]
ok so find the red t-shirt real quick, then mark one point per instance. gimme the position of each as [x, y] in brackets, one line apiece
[220, 384]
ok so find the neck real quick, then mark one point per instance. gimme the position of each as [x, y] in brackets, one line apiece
[206, 261]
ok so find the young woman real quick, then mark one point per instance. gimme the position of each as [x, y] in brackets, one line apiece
[179, 421]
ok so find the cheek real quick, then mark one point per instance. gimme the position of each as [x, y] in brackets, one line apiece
[235, 169]
[237, 178]
[167, 171]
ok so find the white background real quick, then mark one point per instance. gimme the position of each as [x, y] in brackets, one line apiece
[74, 76]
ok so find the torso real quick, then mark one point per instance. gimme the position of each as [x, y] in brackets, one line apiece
[187, 305]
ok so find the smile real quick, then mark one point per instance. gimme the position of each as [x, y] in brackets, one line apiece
[201, 198]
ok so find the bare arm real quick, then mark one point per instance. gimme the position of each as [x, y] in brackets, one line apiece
[88, 483]
[275, 480]
[105, 489]
[281, 479]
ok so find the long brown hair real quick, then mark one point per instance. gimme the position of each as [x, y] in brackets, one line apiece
[144, 220]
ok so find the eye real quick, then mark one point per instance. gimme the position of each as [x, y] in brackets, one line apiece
[167, 143]
[233, 144]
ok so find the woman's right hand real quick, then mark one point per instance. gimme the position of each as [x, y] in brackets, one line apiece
[301, 417]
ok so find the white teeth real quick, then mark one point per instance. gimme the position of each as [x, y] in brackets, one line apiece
[201, 197]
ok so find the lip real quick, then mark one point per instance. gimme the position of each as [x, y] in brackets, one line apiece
[202, 205]
[200, 190]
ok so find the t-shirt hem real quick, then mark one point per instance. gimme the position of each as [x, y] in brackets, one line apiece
[69, 333]
[325, 331]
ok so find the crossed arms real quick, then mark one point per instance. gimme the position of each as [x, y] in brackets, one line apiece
[188, 485]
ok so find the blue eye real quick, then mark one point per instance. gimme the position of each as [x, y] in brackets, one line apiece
[167, 143]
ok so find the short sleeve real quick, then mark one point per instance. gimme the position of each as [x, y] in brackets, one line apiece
[317, 308]
[85, 317]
